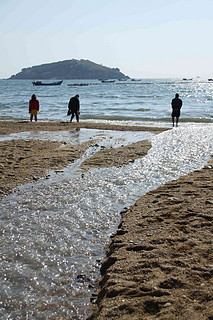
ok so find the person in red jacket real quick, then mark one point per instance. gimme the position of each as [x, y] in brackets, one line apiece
[33, 107]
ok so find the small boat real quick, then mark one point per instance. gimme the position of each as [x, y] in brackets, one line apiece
[40, 83]
[210, 79]
[78, 84]
[107, 81]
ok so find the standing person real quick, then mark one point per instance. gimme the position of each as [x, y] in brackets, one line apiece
[176, 106]
[33, 107]
[74, 107]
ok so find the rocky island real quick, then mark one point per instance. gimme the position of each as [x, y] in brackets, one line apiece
[70, 69]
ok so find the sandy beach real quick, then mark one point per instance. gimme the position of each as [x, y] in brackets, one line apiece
[26, 161]
[7, 127]
[159, 264]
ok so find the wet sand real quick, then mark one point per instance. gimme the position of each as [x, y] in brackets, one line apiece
[7, 127]
[24, 161]
[159, 264]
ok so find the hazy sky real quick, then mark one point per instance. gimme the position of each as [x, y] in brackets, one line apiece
[144, 38]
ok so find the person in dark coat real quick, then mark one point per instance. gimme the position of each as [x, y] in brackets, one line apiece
[176, 106]
[74, 107]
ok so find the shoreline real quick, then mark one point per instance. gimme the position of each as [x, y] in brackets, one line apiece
[21, 162]
[159, 263]
[7, 127]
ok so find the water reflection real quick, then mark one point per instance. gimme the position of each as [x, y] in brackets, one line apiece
[54, 231]
[76, 136]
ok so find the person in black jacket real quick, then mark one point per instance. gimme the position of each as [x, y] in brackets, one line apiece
[176, 106]
[74, 107]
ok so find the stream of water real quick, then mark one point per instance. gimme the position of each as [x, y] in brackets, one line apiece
[54, 231]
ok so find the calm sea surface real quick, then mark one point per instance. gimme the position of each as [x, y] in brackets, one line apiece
[144, 100]
[53, 231]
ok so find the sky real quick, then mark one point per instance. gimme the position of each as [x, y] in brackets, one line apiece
[143, 38]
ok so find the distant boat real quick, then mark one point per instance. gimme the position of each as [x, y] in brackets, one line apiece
[188, 79]
[210, 79]
[40, 83]
[79, 84]
[107, 81]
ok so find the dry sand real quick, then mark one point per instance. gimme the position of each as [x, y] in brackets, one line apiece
[159, 264]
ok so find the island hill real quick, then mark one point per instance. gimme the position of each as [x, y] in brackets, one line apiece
[70, 69]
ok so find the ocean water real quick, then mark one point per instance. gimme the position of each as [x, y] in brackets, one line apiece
[143, 100]
[53, 231]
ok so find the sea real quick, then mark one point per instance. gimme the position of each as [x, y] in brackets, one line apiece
[139, 100]
[54, 231]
